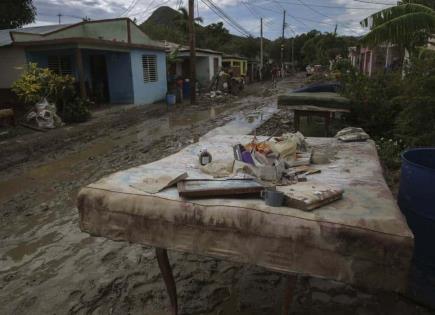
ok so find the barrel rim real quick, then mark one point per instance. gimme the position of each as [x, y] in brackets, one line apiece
[416, 164]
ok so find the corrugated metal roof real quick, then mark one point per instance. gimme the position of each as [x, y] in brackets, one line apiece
[5, 37]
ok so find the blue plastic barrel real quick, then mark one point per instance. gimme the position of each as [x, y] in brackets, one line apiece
[171, 99]
[417, 202]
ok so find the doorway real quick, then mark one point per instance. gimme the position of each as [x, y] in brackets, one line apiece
[100, 85]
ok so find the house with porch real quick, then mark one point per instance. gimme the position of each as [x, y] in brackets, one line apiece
[113, 60]
[208, 63]
[370, 60]
[237, 64]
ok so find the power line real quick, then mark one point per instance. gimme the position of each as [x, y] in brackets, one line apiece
[312, 9]
[327, 6]
[130, 7]
[218, 11]
[302, 19]
[374, 2]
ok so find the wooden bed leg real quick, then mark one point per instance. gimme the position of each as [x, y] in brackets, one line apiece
[166, 271]
[288, 293]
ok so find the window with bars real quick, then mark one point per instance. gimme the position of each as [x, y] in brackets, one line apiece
[149, 64]
[60, 64]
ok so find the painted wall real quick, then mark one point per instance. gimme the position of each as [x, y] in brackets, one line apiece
[211, 65]
[12, 63]
[118, 70]
[203, 70]
[149, 92]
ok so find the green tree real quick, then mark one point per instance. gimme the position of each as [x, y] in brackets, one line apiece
[408, 24]
[16, 13]
[213, 36]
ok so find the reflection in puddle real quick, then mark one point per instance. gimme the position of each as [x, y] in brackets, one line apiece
[29, 248]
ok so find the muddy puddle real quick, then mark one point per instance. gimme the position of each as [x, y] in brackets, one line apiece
[68, 166]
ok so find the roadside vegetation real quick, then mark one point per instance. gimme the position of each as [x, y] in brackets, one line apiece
[396, 108]
[38, 83]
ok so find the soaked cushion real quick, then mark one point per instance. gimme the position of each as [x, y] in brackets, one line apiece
[362, 239]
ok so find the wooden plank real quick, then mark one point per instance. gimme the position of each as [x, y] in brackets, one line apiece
[309, 196]
[212, 188]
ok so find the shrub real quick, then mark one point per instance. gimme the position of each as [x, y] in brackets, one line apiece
[77, 111]
[389, 151]
[38, 83]
[372, 106]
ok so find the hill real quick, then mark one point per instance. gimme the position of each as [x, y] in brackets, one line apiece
[168, 24]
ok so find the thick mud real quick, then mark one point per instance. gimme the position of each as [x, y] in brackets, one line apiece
[48, 266]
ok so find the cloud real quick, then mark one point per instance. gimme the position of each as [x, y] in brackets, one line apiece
[346, 16]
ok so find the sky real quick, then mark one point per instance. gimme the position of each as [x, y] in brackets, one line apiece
[301, 15]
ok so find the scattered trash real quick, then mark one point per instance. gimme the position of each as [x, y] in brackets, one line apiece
[204, 157]
[214, 188]
[44, 114]
[272, 198]
[218, 169]
[154, 184]
[307, 196]
[351, 134]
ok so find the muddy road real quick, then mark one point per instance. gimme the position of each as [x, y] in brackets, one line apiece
[48, 266]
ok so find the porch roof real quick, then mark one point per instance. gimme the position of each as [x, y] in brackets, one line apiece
[83, 41]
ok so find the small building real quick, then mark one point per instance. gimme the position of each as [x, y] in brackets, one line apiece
[113, 60]
[377, 59]
[253, 71]
[239, 65]
[208, 63]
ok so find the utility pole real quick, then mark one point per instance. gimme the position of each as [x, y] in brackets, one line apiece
[59, 16]
[261, 49]
[192, 52]
[282, 45]
[293, 53]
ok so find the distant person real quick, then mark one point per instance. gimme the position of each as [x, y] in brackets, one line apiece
[274, 74]
[179, 82]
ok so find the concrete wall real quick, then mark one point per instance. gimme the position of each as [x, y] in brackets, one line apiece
[149, 92]
[203, 70]
[12, 64]
[212, 70]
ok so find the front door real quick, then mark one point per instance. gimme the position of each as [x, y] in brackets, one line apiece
[100, 86]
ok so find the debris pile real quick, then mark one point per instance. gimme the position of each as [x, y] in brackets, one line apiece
[351, 134]
[44, 116]
[276, 169]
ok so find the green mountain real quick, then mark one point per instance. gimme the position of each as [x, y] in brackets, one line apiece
[168, 24]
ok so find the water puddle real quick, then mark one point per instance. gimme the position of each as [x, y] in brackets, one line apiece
[68, 166]
[244, 123]
[27, 249]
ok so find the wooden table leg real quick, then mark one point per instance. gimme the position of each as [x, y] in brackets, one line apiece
[296, 120]
[288, 293]
[166, 271]
[327, 122]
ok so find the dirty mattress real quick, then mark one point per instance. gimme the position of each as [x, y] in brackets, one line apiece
[361, 239]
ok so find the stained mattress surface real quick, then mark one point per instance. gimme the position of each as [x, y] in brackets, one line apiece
[362, 239]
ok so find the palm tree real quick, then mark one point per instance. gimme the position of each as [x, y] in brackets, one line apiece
[183, 20]
[408, 24]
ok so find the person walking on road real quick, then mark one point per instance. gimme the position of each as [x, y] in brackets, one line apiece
[274, 73]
